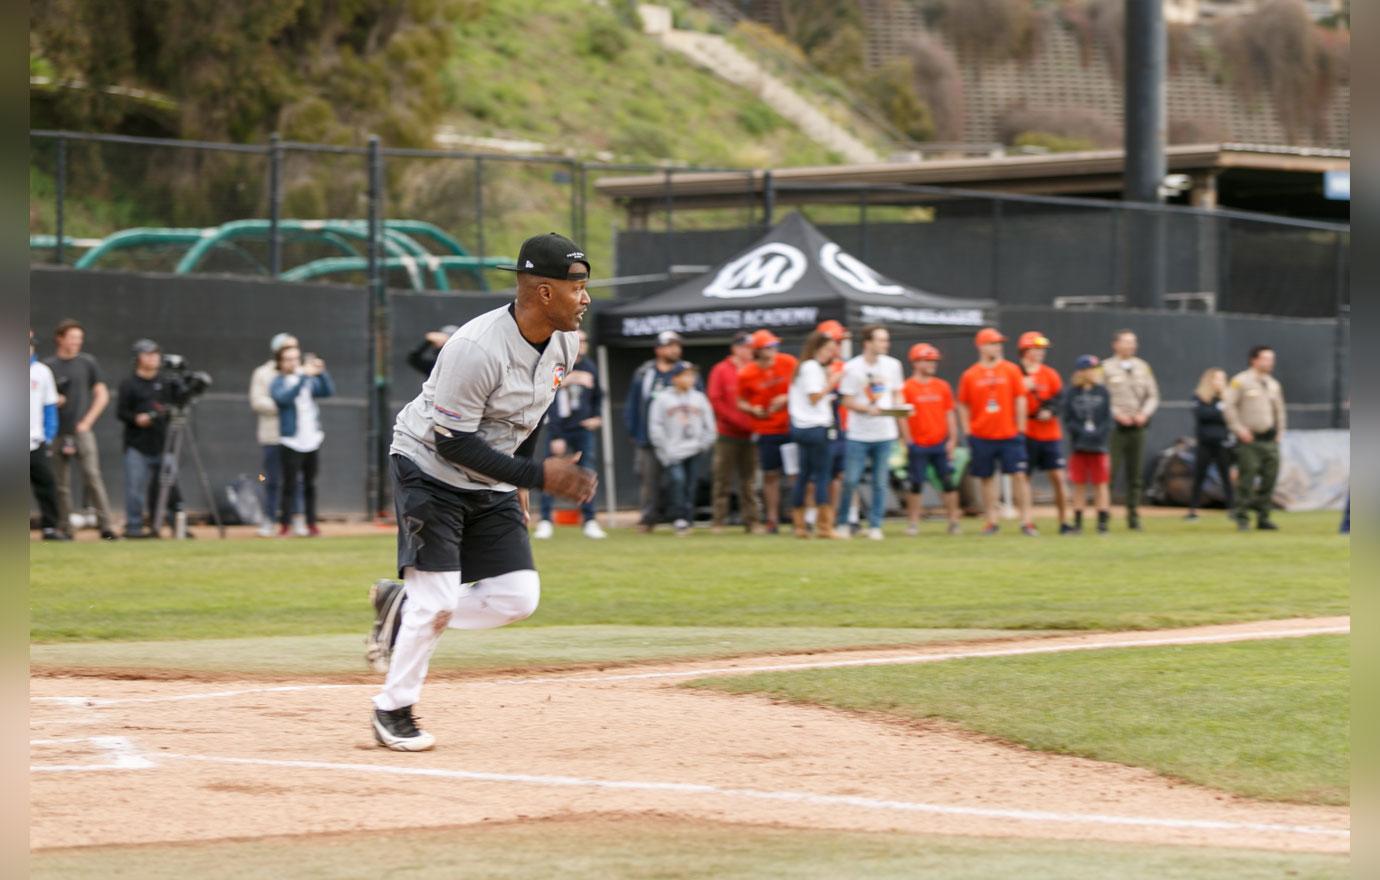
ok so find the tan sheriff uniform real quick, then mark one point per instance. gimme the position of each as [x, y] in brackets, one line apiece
[1255, 401]
[1133, 390]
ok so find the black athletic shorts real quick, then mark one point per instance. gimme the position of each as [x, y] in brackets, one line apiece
[442, 528]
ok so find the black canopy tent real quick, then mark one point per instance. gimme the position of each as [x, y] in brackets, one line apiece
[789, 280]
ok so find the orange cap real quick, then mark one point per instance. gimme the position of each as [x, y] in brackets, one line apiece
[1032, 339]
[833, 329]
[764, 339]
[923, 351]
[988, 335]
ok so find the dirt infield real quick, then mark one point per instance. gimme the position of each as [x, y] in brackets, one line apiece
[127, 761]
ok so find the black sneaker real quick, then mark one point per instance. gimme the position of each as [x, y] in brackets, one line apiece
[1103, 519]
[1133, 522]
[55, 535]
[1066, 529]
[1265, 525]
[1192, 517]
[108, 535]
[387, 598]
[397, 730]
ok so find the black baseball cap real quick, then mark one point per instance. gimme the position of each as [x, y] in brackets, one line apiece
[550, 256]
[144, 346]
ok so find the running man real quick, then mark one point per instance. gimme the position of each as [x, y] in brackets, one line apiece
[463, 460]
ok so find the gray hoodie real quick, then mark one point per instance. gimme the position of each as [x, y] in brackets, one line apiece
[680, 425]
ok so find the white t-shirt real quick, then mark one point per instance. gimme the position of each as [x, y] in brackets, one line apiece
[878, 383]
[810, 379]
[309, 436]
[42, 392]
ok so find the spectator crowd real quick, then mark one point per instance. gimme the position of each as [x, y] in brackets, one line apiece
[805, 442]
[809, 431]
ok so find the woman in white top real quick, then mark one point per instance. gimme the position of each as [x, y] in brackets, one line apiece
[810, 404]
[295, 390]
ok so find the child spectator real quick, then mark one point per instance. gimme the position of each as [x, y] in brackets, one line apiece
[681, 425]
[933, 434]
[1088, 420]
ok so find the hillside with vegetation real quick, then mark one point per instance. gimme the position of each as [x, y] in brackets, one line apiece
[578, 77]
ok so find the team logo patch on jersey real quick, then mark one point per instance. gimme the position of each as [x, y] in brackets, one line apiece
[558, 376]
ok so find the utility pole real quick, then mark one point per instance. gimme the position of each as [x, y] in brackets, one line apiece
[1145, 165]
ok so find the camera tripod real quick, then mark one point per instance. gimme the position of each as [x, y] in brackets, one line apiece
[180, 436]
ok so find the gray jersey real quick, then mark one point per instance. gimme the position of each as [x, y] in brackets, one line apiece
[488, 380]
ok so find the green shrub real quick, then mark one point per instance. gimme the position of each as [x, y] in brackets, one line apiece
[758, 119]
[603, 37]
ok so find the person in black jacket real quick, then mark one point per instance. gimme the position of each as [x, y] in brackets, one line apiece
[142, 404]
[1088, 423]
[423, 357]
[1214, 440]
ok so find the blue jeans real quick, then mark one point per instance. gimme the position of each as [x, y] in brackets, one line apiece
[273, 479]
[861, 455]
[680, 483]
[141, 487]
[815, 464]
[583, 443]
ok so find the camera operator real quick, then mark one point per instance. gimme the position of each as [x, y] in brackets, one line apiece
[142, 404]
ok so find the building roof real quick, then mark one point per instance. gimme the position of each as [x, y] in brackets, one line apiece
[1048, 174]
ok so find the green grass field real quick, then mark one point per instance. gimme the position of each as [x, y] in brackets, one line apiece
[1263, 719]
[1174, 574]
[619, 848]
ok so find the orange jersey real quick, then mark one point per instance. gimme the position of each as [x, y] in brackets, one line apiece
[1047, 388]
[933, 401]
[759, 387]
[990, 393]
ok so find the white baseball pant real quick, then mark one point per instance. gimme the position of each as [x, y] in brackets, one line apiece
[436, 600]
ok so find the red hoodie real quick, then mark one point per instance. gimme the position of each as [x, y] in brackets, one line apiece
[723, 396]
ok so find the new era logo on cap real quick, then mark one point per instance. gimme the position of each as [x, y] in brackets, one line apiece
[551, 256]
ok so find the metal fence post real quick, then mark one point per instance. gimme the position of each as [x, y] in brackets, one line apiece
[996, 251]
[60, 196]
[575, 200]
[376, 454]
[275, 204]
[479, 206]
[670, 219]
[768, 198]
[1339, 355]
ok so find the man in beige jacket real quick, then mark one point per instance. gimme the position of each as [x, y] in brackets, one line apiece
[1253, 406]
[271, 467]
[1135, 397]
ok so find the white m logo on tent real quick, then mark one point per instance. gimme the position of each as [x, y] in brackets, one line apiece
[854, 272]
[771, 268]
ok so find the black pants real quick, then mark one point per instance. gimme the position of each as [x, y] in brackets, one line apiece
[44, 487]
[295, 463]
[1210, 453]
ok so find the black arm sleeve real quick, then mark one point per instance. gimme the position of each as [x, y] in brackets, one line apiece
[470, 452]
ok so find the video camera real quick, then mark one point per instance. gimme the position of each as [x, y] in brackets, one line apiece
[183, 385]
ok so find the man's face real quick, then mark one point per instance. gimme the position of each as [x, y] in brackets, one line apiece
[926, 367]
[765, 355]
[742, 351]
[668, 352]
[1125, 345]
[879, 342]
[1036, 355]
[1264, 362]
[564, 302]
[149, 361]
[991, 351]
[71, 342]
